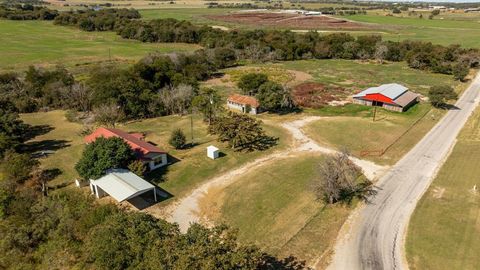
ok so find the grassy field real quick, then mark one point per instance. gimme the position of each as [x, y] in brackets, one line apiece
[361, 133]
[24, 43]
[357, 75]
[275, 208]
[191, 167]
[444, 232]
[449, 30]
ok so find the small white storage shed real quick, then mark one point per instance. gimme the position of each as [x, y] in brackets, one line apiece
[213, 152]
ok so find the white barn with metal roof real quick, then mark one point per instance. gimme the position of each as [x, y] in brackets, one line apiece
[121, 184]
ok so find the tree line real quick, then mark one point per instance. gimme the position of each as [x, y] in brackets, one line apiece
[27, 12]
[276, 45]
[154, 86]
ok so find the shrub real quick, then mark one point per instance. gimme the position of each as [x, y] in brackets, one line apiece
[178, 139]
[439, 95]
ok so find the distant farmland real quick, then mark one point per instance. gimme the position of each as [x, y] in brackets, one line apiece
[24, 43]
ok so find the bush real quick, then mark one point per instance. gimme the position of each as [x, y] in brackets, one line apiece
[460, 71]
[137, 167]
[439, 95]
[178, 139]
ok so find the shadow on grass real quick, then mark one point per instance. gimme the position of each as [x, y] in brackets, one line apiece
[45, 147]
[262, 144]
[34, 131]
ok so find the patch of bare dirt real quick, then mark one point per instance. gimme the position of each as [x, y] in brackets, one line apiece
[316, 95]
[293, 21]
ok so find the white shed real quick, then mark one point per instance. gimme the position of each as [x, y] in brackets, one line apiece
[213, 152]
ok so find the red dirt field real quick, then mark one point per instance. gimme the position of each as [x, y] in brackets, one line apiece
[316, 95]
[293, 21]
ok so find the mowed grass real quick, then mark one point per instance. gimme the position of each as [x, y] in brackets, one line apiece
[398, 132]
[274, 207]
[190, 166]
[24, 43]
[446, 31]
[444, 232]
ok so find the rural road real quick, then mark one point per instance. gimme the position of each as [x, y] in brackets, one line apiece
[187, 210]
[374, 236]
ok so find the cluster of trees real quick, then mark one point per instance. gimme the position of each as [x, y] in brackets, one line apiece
[101, 20]
[156, 85]
[69, 230]
[39, 88]
[271, 95]
[26, 12]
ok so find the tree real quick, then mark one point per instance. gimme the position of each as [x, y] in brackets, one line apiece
[108, 114]
[272, 96]
[209, 103]
[341, 180]
[104, 154]
[137, 167]
[440, 94]
[224, 57]
[242, 132]
[460, 71]
[18, 167]
[12, 129]
[178, 139]
[249, 83]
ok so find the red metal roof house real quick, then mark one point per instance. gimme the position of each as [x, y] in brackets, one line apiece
[391, 96]
[151, 155]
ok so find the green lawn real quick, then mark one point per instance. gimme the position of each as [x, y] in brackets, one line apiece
[24, 43]
[361, 133]
[444, 232]
[192, 167]
[439, 31]
[275, 208]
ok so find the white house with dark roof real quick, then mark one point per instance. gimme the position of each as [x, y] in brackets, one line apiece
[390, 96]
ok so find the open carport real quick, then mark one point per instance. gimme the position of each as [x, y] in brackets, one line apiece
[122, 185]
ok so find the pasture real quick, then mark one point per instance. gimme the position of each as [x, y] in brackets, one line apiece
[444, 30]
[444, 231]
[25, 43]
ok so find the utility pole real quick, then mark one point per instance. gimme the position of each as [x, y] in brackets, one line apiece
[374, 109]
[191, 126]
[109, 55]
